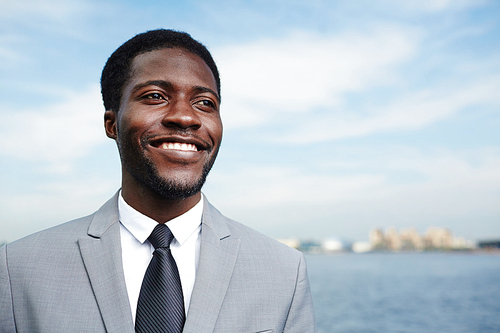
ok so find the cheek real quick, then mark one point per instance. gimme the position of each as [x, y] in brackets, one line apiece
[132, 128]
[214, 127]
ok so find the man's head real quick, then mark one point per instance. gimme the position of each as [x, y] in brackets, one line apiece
[163, 112]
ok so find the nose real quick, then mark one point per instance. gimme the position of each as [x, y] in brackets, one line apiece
[181, 114]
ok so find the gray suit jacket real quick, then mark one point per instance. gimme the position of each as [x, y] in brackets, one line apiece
[70, 279]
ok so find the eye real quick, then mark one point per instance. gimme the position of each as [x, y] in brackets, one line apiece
[153, 96]
[205, 102]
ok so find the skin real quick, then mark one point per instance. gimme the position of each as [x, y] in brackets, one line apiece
[170, 97]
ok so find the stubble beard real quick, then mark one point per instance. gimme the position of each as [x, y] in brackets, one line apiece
[144, 170]
[175, 189]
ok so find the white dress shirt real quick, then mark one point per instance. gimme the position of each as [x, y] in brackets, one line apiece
[137, 251]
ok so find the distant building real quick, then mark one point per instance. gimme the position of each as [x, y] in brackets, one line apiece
[332, 245]
[361, 247]
[438, 238]
[377, 239]
[392, 239]
[410, 240]
[310, 246]
[462, 243]
[489, 245]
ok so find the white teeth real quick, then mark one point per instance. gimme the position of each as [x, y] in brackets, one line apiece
[178, 146]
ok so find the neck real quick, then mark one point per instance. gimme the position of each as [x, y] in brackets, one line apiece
[154, 205]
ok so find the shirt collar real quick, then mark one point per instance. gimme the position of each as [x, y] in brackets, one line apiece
[141, 226]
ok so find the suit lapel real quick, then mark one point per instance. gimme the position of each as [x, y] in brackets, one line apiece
[218, 255]
[101, 253]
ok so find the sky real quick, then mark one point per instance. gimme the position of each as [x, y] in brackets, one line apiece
[339, 116]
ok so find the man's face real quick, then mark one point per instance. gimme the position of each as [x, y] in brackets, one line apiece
[168, 128]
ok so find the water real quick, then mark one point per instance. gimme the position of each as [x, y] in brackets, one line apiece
[414, 292]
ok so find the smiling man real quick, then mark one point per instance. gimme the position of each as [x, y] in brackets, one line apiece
[157, 257]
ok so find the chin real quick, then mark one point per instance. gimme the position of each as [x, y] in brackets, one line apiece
[175, 190]
[175, 187]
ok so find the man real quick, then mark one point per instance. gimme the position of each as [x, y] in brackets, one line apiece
[161, 92]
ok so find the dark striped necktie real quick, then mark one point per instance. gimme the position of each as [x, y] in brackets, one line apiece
[160, 308]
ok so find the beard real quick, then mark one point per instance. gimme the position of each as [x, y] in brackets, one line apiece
[144, 170]
[174, 189]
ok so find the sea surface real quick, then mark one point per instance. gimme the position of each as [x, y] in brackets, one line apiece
[406, 292]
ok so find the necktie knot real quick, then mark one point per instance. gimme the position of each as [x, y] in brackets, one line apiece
[161, 236]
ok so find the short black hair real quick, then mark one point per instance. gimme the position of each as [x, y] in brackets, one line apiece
[117, 70]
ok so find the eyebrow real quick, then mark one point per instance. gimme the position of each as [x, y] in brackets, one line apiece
[208, 90]
[159, 83]
[169, 86]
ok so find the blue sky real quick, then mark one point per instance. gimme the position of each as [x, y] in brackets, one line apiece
[339, 116]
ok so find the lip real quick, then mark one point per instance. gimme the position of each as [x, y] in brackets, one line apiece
[157, 141]
[176, 156]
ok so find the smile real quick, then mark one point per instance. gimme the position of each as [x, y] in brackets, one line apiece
[178, 146]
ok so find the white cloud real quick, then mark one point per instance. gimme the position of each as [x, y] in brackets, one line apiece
[55, 17]
[51, 10]
[59, 133]
[272, 77]
[267, 186]
[7, 55]
[411, 111]
[267, 81]
[361, 191]
[47, 205]
[433, 6]
[441, 169]
[10, 56]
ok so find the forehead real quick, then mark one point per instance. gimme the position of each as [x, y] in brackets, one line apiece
[173, 64]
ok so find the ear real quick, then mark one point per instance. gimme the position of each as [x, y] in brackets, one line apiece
[110, 124]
